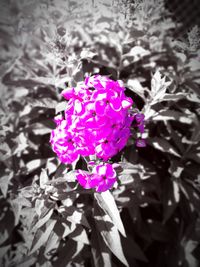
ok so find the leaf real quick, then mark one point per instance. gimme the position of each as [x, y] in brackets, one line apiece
[73, 215]
[174, 97]
[28, 261]
[79, 235]
[110, 234]
[194, 154]
[47, 103]
[35, 164]
[16, 207]
[41, 237]
[137, 52]
[42, 220]
[107, 202]
[126, 178]
[193, 98]
[189, 248]
[166, 115]
[87, 54]
[52, 243]
[158, 86]
[21, 92]
[61, 106]
[163, 145]
[3, 252]
[40, 128]
[176, 138]
[176, 169]
[68, 252]
[135, 86]
[43, 178]
[61, 169]
[44, 80]
[61, 82]
[4, 183]
[4, 236]
[191, 194]
[100, 252]
[7, 221]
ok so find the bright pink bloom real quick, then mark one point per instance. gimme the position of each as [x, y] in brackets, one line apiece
[102, 177]
[87, 180]
[97, 120]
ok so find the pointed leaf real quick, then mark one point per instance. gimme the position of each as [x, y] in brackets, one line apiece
[163, 146]
[41, 237]
[110, 234]
[135, 86]
[158, 86]
[107, 202]
[100, 252]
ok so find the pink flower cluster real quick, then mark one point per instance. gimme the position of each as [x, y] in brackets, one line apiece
[102, 177]
[97, 120]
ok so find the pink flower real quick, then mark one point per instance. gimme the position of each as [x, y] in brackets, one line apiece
[62, 143]
[102, 177]
[97, 120]
[106, 150]
[87, 180]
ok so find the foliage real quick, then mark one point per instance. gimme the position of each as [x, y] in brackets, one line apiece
[152, 217]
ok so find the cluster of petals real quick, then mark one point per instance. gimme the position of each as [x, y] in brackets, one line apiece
[102, 177]
[96, 121]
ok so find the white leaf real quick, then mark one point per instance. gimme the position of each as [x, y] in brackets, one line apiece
[43, 220]
[87, 54]
[111, 237]
[34, 164]
[80, 237]
[158, 86]
[43, 237]
[107, 202]
[173, 97]
[135, 86]
[52, 243]
[163, 145]
[166, 115]
[43, 178]
[138, 51]
[61, 106]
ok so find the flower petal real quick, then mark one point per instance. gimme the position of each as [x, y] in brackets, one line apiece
[127, 103]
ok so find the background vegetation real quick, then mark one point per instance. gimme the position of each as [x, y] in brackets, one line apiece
[46, 218]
